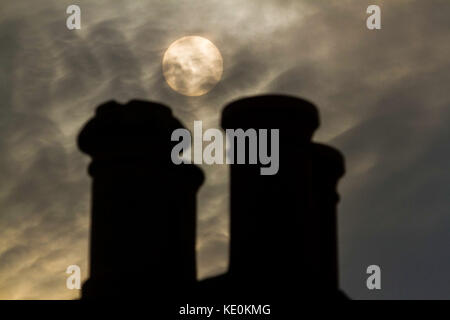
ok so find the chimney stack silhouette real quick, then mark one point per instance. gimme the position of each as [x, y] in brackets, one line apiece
[283, 226]
[143, 221]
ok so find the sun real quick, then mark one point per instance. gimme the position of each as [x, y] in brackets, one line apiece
[192, 65]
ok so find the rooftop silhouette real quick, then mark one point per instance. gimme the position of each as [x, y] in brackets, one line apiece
[283, 230]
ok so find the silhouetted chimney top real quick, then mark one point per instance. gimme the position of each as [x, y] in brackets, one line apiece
[272, 111]
[130, 126]
[131, 133]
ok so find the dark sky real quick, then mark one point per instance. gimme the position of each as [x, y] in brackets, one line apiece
[383, 99]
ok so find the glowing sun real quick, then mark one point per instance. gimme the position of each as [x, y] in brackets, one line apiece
[192, 65]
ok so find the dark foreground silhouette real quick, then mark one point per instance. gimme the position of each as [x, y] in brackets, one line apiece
[283, 243]
[283, 237]
[143, 206]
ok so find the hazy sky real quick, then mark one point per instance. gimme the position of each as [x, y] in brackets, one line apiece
[383, 99]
